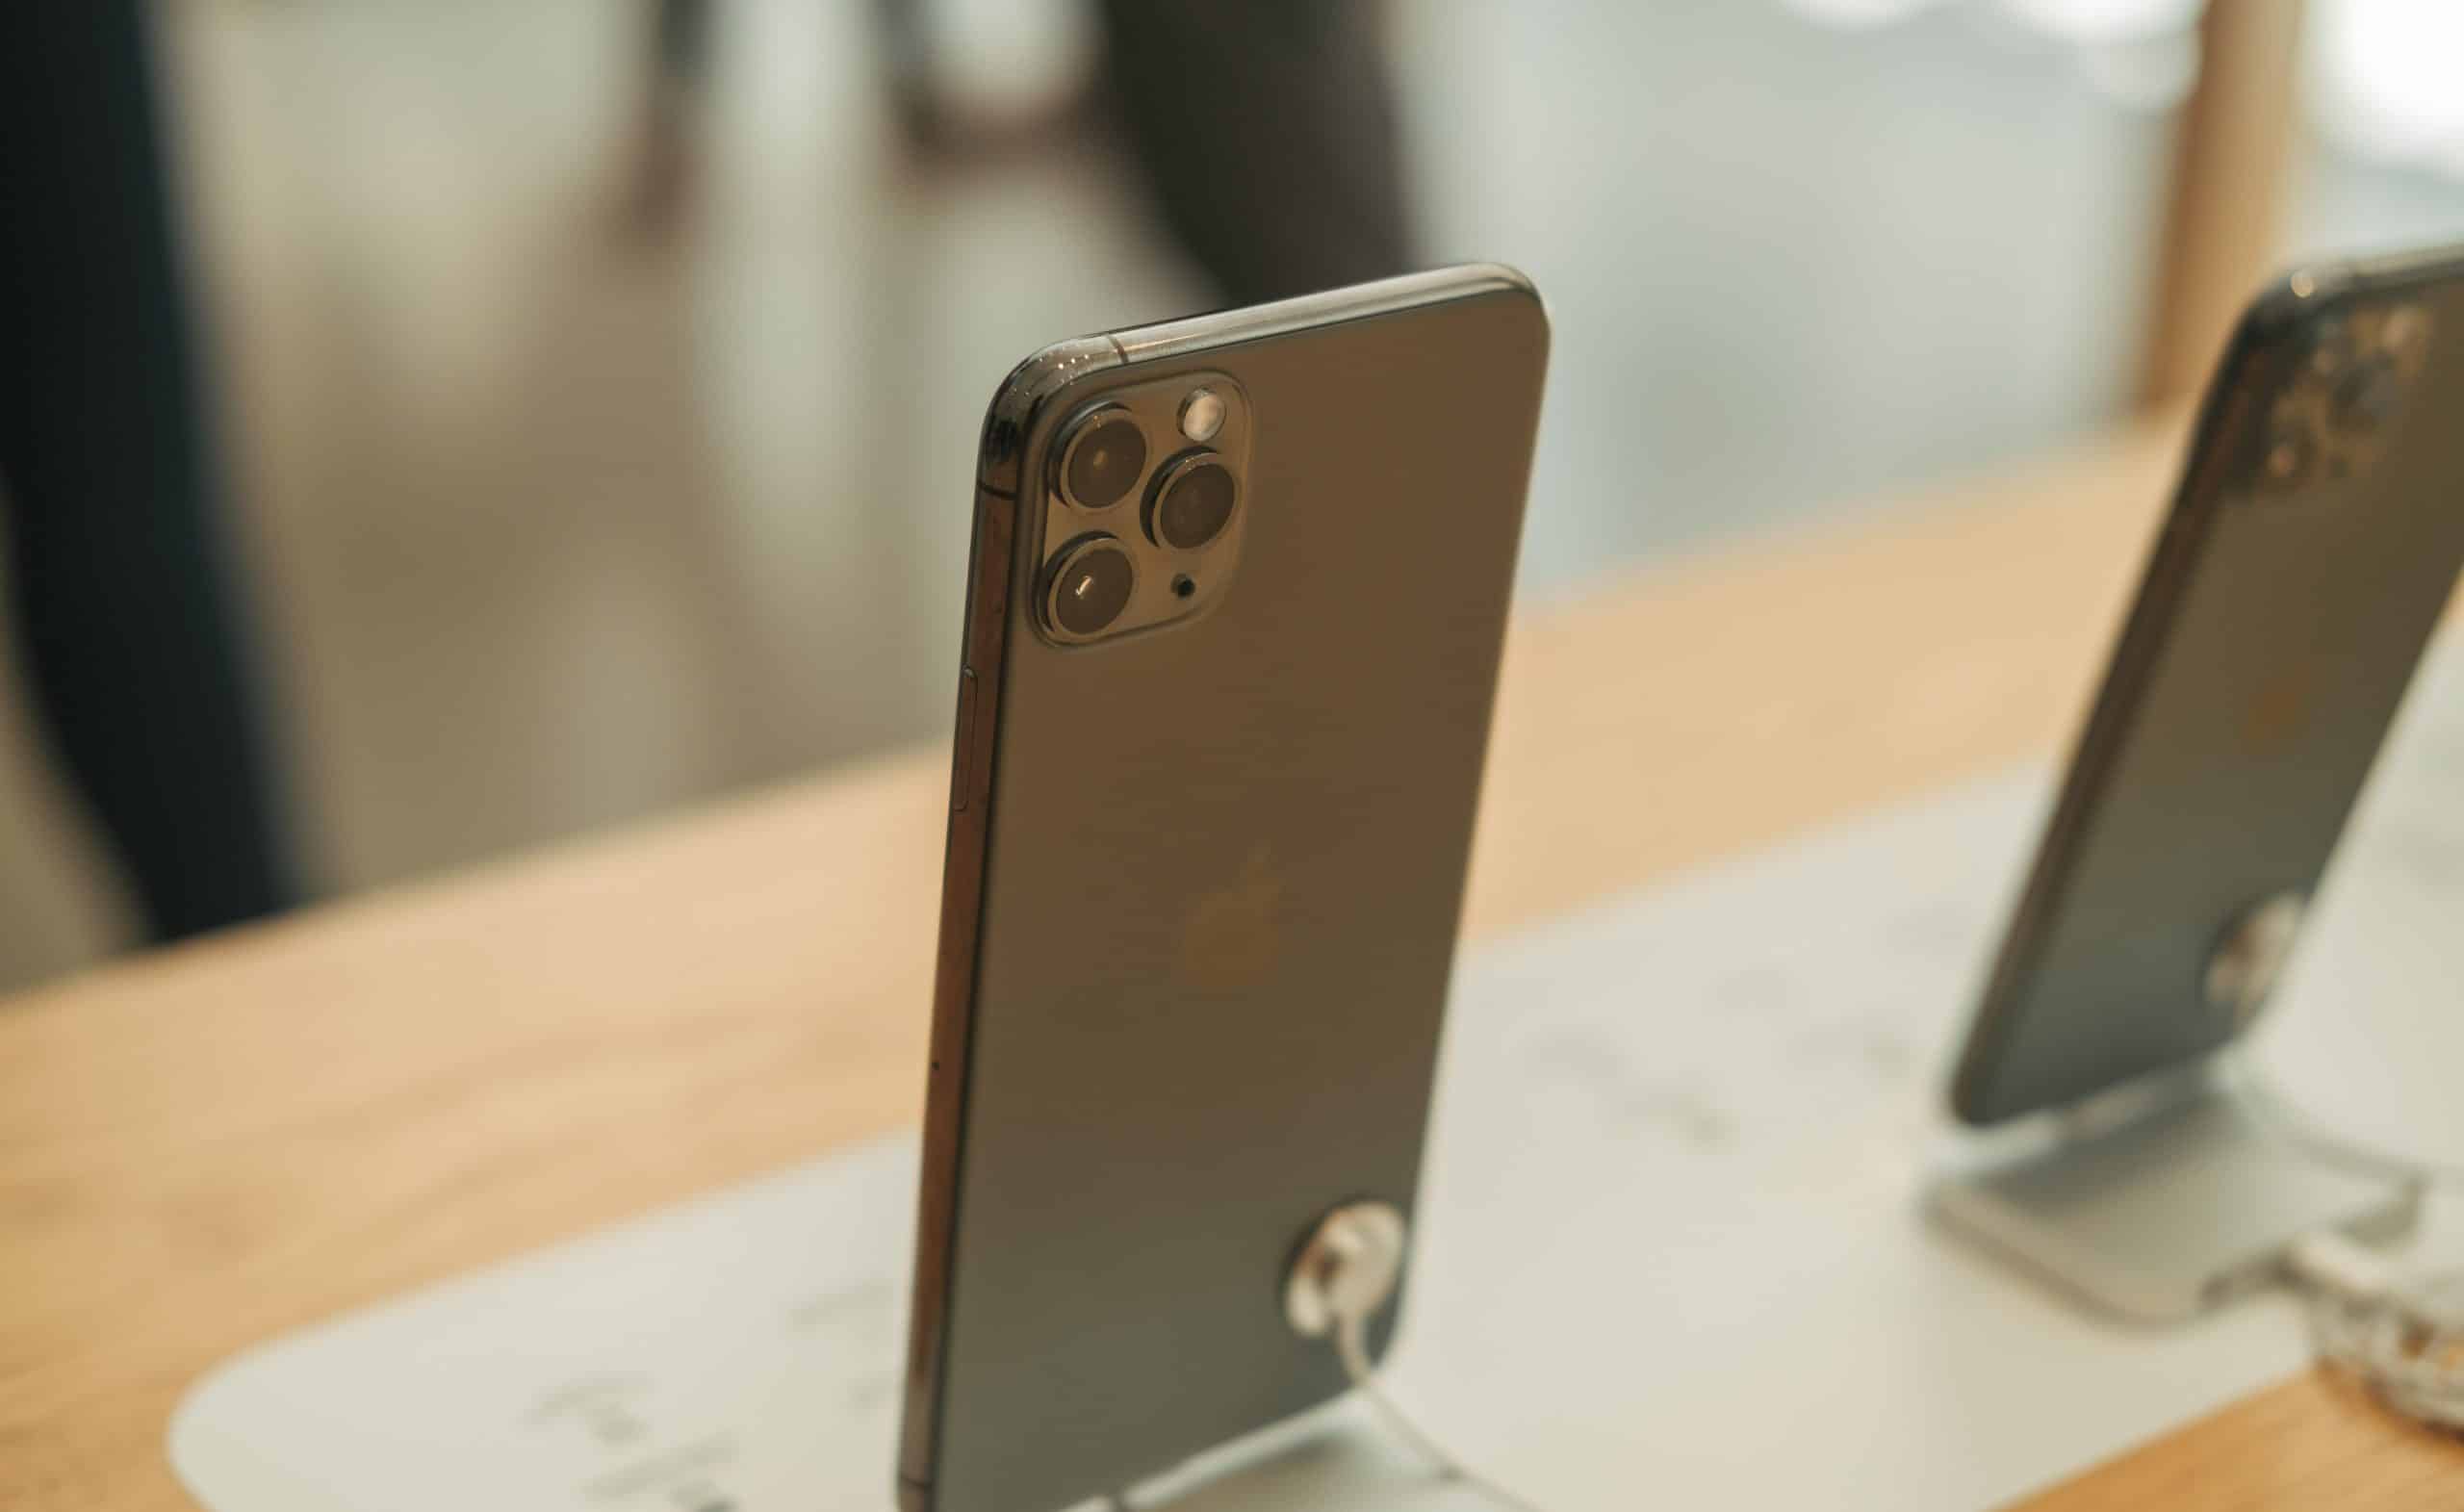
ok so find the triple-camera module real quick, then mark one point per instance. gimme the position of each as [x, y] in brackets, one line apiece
[1142, 512]
[2343, 395]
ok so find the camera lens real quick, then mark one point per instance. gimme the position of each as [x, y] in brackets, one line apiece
[1102, 461]
[2332, 347]
[1191, 503]
[2287, 461]
[2369, 395]
[1090, 586]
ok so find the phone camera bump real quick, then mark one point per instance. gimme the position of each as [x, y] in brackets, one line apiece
[2344, 396]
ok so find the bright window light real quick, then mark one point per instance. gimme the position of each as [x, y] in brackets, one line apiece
[2384, 78]
[2106, 20]
[1858, 14]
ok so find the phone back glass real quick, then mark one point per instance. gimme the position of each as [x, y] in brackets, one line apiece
[2269, 648]
[1221, 883]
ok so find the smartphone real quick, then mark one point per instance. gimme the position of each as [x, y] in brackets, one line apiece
[1234, 614]
[2308, 554]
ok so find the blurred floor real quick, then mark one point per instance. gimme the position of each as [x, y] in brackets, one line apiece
[558, 525]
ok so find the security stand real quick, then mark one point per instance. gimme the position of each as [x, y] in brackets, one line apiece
[2156, 1203]
[1343, 1273]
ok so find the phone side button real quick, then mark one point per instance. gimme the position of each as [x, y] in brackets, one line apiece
[962, 756]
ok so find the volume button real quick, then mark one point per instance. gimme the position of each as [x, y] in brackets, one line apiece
[962, 757]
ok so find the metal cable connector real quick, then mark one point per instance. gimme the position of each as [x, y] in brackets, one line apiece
[2403, 1340]
[1343, 1277]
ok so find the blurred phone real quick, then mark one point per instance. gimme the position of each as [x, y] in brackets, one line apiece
[2314, 541]
[1234, 617]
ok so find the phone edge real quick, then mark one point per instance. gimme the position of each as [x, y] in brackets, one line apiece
[1018, 404]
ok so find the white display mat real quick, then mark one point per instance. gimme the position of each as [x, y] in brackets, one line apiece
[1671, 1250]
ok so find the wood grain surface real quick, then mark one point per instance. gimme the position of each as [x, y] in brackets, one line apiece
[207, 1146]
[2312, 1443]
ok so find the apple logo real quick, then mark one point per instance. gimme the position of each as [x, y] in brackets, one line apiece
[1233, 934]
[2280, 709]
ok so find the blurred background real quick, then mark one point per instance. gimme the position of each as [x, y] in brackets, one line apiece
[437, 428]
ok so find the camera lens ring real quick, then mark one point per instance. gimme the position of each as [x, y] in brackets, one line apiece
[2367, 395]
[1101, 458]
[1192, 501]
[1088, 586]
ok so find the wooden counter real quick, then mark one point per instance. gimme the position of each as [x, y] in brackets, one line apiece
[206, 1146]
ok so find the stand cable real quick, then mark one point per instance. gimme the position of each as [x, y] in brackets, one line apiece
[2401, 1340]
[2400, 1337]
[1343, 1278]
[1352, 1342]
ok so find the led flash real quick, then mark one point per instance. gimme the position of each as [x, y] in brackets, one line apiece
[1202, 415]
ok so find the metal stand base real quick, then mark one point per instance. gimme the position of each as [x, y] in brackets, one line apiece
[2170, 1205]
